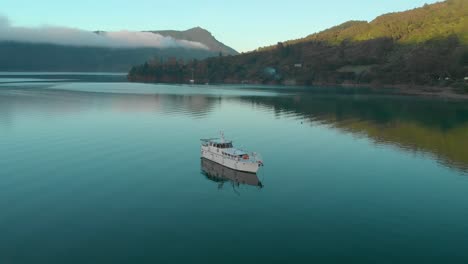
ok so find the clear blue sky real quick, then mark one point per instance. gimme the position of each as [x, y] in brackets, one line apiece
[241, 24]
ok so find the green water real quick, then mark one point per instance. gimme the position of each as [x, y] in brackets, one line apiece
[110, 172]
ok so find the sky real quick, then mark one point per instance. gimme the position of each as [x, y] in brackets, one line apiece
[242, 24]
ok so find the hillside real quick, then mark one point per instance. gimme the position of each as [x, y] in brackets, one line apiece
[436, 21]
[420, 47]
[200, 35]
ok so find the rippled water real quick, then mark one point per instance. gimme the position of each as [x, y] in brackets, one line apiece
[109, 172]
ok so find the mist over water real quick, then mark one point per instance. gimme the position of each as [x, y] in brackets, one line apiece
[76, 37]
[111, 172]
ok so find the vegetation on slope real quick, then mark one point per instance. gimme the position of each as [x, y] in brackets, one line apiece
[436, 21]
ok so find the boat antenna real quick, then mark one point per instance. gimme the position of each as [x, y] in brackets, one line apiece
[221, 133]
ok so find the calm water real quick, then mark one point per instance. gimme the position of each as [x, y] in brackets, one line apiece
[109, 172]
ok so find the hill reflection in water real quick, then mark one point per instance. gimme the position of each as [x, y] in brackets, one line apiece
[420, 125]
[427, 126]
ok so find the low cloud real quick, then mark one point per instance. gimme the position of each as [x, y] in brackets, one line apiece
[76, 37]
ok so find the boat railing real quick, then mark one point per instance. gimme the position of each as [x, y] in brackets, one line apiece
[252, 156]
[207, 139]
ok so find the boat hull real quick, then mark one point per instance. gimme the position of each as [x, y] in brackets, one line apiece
[235, 164]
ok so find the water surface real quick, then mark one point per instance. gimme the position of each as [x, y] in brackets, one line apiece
[94, 171]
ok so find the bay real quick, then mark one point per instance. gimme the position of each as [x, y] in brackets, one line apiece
[98, 170]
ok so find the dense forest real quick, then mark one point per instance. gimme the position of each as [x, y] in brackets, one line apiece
[427, 46]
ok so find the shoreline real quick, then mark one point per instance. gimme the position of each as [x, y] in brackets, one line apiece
[446, 92]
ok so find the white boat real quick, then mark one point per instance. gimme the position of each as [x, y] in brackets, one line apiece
[221, 151]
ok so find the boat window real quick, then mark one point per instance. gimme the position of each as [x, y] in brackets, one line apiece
[221, 145]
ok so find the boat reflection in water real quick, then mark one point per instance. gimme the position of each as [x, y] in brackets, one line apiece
[221, 174]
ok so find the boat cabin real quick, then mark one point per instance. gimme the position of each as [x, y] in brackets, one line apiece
[226, 148]
[235, 153]
[217, 143]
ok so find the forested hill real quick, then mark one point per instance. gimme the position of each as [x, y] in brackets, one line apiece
[425, 46]
[437, 21]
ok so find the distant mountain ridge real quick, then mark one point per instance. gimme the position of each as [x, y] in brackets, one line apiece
[198, 34]
[28, 56]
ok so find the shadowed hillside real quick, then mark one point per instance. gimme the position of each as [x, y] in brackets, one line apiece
[16, 56]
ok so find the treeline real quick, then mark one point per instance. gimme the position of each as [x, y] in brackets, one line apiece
[379, 61]
[16, 56]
